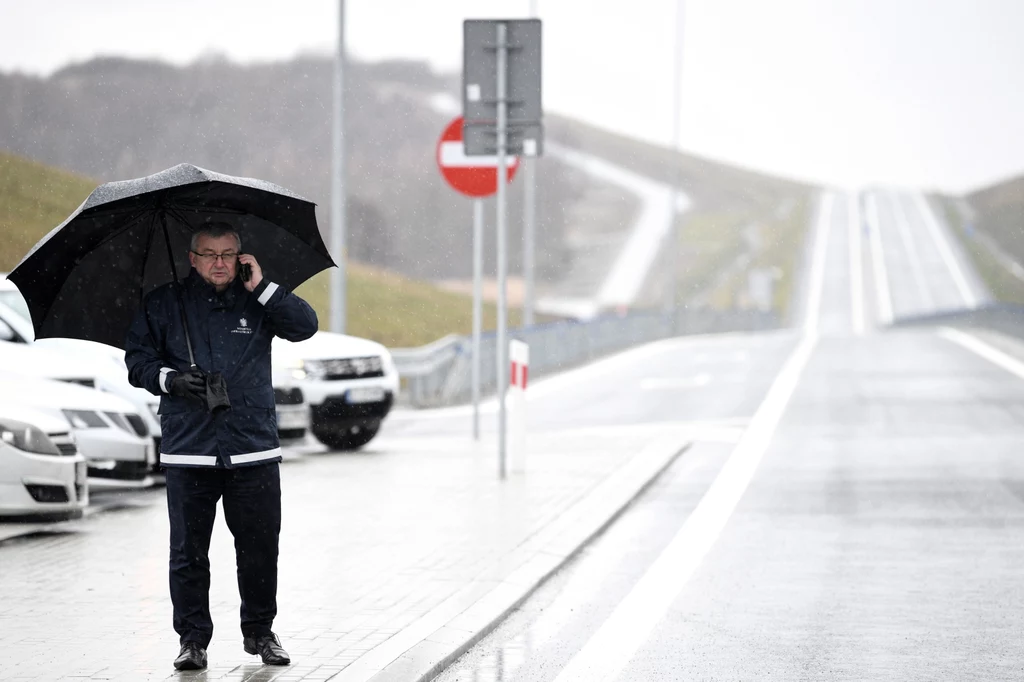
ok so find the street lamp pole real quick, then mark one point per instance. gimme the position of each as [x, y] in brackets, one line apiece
[674, 194]
[529, 168]
[338, 275]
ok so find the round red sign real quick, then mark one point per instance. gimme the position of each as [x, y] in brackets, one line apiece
[474, 176]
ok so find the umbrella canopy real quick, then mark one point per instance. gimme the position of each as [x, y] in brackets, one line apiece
[87, 278]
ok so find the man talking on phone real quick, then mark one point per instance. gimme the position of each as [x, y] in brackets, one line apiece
[219, 429]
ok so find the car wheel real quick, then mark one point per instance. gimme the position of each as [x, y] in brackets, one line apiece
[348, 438]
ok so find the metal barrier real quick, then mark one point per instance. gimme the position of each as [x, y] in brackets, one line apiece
[438, 374]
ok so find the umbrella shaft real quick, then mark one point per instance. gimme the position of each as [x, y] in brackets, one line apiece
[177, 288]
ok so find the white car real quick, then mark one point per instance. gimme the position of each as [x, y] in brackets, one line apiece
[41, 471]
[111, 374]
[349, 383]
[110, 434]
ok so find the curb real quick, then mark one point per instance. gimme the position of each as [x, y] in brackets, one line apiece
[430, 644]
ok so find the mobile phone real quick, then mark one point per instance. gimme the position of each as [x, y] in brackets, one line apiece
[245, 272]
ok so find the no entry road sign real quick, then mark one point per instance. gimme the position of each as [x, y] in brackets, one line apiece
[474, 176]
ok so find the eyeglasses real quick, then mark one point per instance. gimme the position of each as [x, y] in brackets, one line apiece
[228, 257]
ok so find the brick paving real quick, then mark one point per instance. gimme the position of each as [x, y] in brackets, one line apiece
[371, 542]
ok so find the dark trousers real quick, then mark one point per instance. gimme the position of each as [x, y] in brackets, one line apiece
[252, 509]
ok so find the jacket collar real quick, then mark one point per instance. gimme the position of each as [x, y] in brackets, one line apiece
[204, 291]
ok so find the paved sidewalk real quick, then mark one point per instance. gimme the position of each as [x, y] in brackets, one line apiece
[393, 560]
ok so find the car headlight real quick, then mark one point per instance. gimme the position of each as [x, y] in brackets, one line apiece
[26, 437]
[85, 419]
[129, 422]
[314, 369]
[296, 369]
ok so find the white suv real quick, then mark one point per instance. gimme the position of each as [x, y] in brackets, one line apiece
[349, 383]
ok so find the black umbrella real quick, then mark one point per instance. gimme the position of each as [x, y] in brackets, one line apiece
[86, 279]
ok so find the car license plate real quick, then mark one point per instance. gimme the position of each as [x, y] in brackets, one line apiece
[365, 395]
[81, 471]
[292, 419]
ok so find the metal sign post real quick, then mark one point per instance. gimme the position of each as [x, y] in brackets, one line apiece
[501, 106]
[475, 177]
[478, 272]
[501, 131]
[529, 229]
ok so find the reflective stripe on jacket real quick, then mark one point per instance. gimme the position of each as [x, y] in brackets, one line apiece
[231, 333]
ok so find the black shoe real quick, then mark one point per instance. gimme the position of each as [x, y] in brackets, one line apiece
[191, 657]
[268, 647]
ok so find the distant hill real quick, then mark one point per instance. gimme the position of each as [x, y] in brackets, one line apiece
[114, 118]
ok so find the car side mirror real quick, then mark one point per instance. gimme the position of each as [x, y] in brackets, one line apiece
[6, 333]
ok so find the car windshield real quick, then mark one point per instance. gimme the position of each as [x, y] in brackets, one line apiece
[16, 302]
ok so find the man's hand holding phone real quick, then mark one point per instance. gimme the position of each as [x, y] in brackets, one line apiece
[246, 261]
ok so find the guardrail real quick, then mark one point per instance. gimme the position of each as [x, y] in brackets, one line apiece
[438, 374]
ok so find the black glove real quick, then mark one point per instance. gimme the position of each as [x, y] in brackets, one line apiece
[216, 393]
[190, 384]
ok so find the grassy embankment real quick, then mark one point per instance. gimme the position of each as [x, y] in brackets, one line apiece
[730, 204]
[383, 306]
[995, 240]
[997, 276]
[724, 247]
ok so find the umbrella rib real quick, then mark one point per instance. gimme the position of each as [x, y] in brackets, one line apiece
[180, 218]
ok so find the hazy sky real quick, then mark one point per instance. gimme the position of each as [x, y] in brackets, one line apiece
[853, 92]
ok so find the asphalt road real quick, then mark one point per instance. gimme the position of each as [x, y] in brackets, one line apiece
[863, 519]
[926, 270]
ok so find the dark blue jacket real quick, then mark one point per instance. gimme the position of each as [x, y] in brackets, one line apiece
[231, 333]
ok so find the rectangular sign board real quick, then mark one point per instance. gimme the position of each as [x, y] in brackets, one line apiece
[480, 86]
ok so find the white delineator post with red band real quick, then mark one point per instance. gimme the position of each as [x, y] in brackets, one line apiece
[515, 404]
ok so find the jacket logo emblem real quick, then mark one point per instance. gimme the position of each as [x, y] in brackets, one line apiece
[242, 328]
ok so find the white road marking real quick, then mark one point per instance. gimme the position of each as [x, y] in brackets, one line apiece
[979, 347]
[821, 233]
[856, 264]
[942, 242]
[915, 260]
[662, 383]
[884, 294]
[608, 651]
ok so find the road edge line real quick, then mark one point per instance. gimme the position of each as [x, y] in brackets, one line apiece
[984, 350]
[483, 604]
[610, 648]
[883, 293]
[942, 242]
[822, 232]
[853, 220]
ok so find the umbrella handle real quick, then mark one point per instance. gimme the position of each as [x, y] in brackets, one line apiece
[177, 288]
